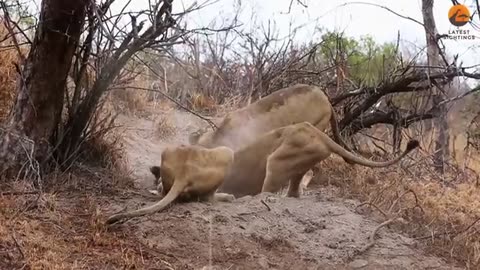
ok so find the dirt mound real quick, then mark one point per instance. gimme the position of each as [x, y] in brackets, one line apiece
[317, 231]
[272, 232]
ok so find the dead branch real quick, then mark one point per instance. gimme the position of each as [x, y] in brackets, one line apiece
[18, 246]
[266, 205]
[9, 28]
[382, 7]
[379, 117]
[354, 119]
[474, 90]
[299, 2]
[174, 101]
[374, 234]
[18, 193]
[372, 205]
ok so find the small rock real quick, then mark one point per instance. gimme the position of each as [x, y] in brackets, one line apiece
[332, 245]
[357, 264]
[263, 262]
[309, 229]
[154, 192]
[271, 199]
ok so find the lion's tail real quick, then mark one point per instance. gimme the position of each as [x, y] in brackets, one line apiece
[336, 134]
[347, 155]
[177, 188]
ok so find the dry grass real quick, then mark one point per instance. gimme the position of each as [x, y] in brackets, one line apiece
[103, 145]
[128, 101]
[202, 103]
[164, 126]
[8, 75]
[442, 215]
[64, 230]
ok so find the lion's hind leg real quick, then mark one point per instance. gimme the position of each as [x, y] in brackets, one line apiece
[297, 154]
[294, 188]
[285, 166]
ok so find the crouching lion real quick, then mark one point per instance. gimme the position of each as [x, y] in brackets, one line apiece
[188, 173]
[285, 155]
[287, 106]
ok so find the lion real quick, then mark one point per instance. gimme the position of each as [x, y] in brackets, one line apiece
[287, 106]
[290, 105]
[188, 173]
[285, 155]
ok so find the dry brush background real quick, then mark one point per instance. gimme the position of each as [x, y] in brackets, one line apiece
[209, 76]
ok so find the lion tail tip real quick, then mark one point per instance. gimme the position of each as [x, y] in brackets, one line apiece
[412, 144]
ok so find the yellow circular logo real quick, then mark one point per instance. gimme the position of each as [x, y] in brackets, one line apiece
[459, 15]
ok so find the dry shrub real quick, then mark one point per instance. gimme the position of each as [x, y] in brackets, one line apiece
[230, 104]
[103, 146]
[164, 126]
[129, 101]
[128, 95]
[8, 75]
[442, 215]
[69, 235]
[98, 151]
[202, 103]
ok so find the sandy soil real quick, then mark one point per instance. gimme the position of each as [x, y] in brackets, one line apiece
[267, 231]
[144, 145]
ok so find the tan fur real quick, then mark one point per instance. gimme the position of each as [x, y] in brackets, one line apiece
[285, 155]
[306, 179]
[287, 106]
[187, 173]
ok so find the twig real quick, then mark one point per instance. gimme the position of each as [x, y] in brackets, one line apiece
[172, 100]
[298, 2]
[474, 90]
[457, 233]
[266, 205]
[107, 34]
[18, 245]
[373, 205]
[372, 237]
[478, 8]
[10, 30]
[401, 196]
[15, 193]
[383, 7]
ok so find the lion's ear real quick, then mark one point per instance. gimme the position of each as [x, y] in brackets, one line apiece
[155, 170]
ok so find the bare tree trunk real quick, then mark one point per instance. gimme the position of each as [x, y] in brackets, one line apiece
[41, 86]
[434, 60]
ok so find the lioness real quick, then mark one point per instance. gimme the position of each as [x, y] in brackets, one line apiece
[286, 154]
[188, 173]
[287, 106]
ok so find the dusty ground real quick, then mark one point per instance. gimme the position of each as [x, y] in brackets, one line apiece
[318, 231]
[144, 144]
